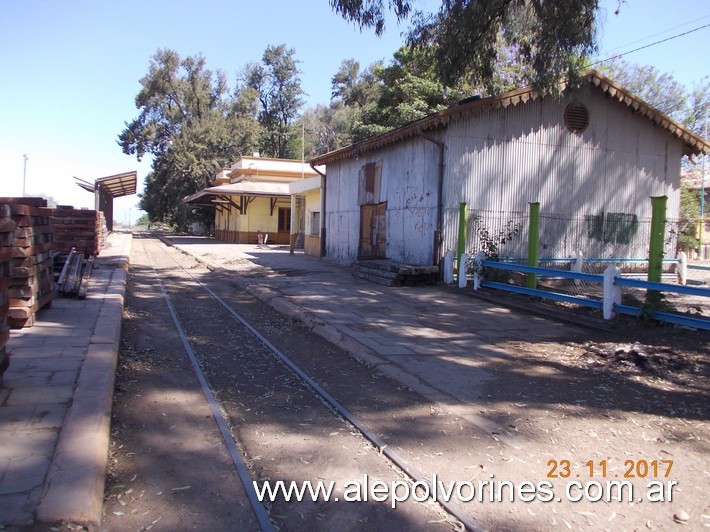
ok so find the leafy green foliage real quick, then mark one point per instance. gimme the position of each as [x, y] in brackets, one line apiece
[409, 89]
[353, 87]
[191, 127]
[550, 39]
[490, 241]
[689, 218]
[279, 91]
[175, 93]
[698, 102]
[384, 97]
[325, 128]
[370, 13]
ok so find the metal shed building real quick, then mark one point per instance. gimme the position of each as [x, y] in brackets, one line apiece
[593, 150]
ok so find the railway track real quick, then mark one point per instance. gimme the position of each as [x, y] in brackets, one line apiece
[345, 422]
[277, 421]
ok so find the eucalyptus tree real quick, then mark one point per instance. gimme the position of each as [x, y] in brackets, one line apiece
[323, 128]
[277, 85]
[191, 126]
[355, 87]
[550, 38]
[408, 87]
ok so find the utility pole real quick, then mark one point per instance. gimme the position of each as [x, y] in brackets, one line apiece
[24, 175]
[702, 191]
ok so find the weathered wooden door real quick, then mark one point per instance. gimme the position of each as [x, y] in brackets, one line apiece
[373, 231]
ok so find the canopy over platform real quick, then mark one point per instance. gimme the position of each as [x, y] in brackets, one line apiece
[216, 195]
[109, 187]
[238, 195]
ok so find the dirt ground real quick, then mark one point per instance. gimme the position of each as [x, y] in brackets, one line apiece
[629, 405]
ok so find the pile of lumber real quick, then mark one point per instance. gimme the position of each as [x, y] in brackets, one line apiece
[390, 273]
[81, 229]
[31, 274]
[7, 238]
[74, 279]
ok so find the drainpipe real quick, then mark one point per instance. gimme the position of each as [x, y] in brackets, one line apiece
[322, 210]
[436, 255]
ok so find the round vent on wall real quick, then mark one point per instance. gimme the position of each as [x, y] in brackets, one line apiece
[576, 117]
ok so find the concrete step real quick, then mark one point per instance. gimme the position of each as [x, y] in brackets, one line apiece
[392, 273]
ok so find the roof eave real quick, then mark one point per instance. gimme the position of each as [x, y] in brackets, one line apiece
[692, 144]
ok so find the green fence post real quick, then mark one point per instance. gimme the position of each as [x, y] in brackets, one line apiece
[461, 249]
[533, 242]
[658, 230]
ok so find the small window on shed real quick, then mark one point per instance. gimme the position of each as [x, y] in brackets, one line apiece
[576, 117]
[370, 180]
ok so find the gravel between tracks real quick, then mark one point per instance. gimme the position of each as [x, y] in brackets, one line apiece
[600, 399]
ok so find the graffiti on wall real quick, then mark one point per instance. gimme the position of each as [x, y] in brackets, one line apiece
[416, 203]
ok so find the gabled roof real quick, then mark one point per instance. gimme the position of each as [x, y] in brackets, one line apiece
[692, 144]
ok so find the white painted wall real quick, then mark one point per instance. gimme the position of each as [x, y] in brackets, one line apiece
[408, 184]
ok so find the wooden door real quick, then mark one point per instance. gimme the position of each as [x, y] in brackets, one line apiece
[373, 231]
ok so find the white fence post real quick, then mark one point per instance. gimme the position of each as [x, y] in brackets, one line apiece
[477, 262]
[463, 267]
[449, 267]
[682, 268]
[577, 266]
[612, 292]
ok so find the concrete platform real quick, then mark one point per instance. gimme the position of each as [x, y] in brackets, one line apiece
[55, 402]
[436, 340]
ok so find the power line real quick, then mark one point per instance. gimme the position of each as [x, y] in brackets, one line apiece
[695, 21]
[649, 45]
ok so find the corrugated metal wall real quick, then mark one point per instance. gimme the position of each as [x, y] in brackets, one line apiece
[342, 211]
[409, 185]
[503, 160]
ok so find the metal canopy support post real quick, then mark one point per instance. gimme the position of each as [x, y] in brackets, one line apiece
[104, 202]
[244, 202]
[227, 200]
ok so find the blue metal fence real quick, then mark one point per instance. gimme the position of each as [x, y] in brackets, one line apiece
[597, 303]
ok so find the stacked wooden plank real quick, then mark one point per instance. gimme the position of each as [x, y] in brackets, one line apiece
[7, 238]
[74, 279]
[81, 229]
[32, 277]
[390, 273]
[102, 232]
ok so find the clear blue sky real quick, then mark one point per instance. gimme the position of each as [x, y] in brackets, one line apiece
[71, 70]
